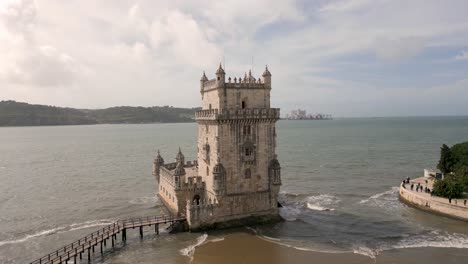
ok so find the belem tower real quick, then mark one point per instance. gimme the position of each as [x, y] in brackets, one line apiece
[236, 177]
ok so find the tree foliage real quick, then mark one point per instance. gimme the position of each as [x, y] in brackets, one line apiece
[22, 114]
[449, 187]
[454, 164]
[446, 160]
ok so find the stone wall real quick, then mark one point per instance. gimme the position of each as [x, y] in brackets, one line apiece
[232, 207]
[435, 204]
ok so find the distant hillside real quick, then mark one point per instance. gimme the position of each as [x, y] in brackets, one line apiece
[23, 114]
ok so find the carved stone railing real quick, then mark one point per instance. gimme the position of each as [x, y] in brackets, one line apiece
[238, 114]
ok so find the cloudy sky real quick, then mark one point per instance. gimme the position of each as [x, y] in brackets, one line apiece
[345, 57]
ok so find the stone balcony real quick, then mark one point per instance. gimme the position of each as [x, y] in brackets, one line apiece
[238, 114]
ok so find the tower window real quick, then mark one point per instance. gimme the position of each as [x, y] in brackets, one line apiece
[247, 173]
[248, 152]
[243, 104]
[247, 130]
[207, 154]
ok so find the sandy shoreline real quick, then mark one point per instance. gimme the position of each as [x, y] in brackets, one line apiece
[247, 248]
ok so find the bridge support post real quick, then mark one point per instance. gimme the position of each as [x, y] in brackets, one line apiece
[112, 240]
[93, 249]
[74, 259]
[101, 247]
[81, 256]
[89, 254]
[124, 234]
[141, 232]
[105, 241]
[156, 229]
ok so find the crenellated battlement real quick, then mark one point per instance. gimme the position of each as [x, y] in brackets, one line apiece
[235, 114]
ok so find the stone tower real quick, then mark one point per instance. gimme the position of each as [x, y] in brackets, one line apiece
[237, 175]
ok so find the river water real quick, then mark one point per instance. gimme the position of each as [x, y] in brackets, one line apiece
[339, 177]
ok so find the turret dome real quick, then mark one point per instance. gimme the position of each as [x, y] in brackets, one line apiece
[220, 70]
[266, 72]
[180, 158]
[179, 170]
[159, 160]
[204, 78]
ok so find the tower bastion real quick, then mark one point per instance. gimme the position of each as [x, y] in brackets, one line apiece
[237, 176]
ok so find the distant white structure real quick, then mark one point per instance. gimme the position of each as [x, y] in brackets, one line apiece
[300, 114]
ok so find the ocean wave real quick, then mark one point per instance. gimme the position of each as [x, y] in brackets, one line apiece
[434, 239]
[318, 207]
[58, 230]
[365, 251]
[387, 199]
[144, 200]
[190, 250]
[218, 239]
[289, 213]
[322, 202]
[292, 244]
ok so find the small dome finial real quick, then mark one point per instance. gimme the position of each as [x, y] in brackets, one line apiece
[266, 72]
[204, 78]
[220, 69]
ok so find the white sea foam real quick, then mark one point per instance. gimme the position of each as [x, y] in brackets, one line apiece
[363, 250]
[289, 213]
[387, 199]
[218, 239]
[190, 250]
[58, 230]
[322, 202]
[434, 239]
[318, 207]
[291, 244]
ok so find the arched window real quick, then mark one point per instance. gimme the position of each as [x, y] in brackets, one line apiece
[196, 199]
[248, 152]
[246, 129]
[209, 106]
[207, 153]
[243, 104]
[247, 173]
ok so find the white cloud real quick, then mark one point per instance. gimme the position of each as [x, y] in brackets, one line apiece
[462, 56]
[145, 52]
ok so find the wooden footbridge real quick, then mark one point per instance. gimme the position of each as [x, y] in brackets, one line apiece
[100, 237]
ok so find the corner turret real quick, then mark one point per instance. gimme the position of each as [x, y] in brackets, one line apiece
[203, 80]
[158, 162]
[180, 158]
[220, 76]
[267, 77]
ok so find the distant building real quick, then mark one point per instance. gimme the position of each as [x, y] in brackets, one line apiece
[300, 114]
[236, 177]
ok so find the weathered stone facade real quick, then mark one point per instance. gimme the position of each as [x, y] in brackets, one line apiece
[236, 177]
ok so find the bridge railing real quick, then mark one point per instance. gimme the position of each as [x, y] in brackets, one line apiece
[86, 242]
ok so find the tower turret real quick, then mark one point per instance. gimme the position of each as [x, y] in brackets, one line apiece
[203, 80]
[267, 77]
[158, 162]
[180, 158]
[220, 76]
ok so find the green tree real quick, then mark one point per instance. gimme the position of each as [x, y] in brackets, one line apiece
[449, 187]
[446, 160]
